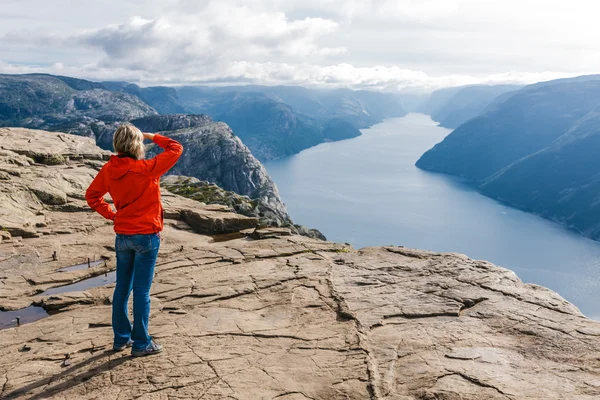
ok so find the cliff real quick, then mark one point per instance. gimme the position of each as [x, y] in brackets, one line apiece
[210, 193]
[261, 314]
[213, 153]
[534, 150]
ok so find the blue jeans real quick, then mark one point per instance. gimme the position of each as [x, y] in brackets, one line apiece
[136, 257]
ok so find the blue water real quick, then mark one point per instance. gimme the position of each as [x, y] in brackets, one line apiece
[366, 191]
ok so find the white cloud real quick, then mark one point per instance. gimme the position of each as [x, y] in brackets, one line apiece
[357, 43]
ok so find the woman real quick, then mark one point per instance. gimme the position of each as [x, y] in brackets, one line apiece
[133, 184]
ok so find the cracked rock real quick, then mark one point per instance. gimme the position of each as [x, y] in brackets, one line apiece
[284, 317]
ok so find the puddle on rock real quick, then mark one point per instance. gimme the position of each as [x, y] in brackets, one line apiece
[85, 265]
[96, 281]
[8, 319]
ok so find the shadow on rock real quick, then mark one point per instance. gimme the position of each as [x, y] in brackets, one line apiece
[73, 380]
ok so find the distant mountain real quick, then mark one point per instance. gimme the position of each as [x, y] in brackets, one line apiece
[362, 108]
[560, 182]
[468, 103]
[64, 104]
[438, 99]
[454, 106]
[536, 150]
[163, 99]
[527, 122]
[270, 126]
[273, 121]
[412, 101]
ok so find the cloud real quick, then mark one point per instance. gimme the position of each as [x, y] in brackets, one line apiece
[310, 75]
[216, 34]
[384, 44]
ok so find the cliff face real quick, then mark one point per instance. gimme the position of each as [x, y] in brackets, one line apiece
[535, 150]
[210, 193]
[281, 316]
[213, 153]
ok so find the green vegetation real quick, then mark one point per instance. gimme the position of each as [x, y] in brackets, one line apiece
[209, 193]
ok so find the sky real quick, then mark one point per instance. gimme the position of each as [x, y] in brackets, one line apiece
[415, 45]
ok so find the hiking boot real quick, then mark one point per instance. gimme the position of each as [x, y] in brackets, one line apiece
[123, 346]
[152, 348]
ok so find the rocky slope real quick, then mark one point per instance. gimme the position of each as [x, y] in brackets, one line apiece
[46, 173]
[279, 316]
[213, 153]
[66, 104]
[534, 150]
[210, 193]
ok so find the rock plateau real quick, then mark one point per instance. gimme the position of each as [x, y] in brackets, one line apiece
[262, 314]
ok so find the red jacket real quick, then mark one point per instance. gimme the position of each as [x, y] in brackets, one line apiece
[134, 188]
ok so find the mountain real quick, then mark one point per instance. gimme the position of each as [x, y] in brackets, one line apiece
[59, 103]
[282, 120]
[527, 122]
[454, 106]
[438, 99]
[362, 108]
[273, 121]
[560, 182]
[467, 103]
[412, 101]
[163, 99]
[270, 127]
[535, 150]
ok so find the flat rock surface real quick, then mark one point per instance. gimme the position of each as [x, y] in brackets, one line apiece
[277, 317]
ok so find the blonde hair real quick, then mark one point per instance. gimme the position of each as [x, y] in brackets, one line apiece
[129, 140]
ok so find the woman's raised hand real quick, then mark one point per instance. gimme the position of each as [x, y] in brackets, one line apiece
[149, 136]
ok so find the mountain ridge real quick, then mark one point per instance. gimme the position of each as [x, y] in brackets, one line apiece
[260, 115]
[534, 151]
